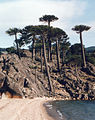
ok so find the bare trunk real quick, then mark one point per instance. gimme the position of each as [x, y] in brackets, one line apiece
[47, 68]
[49, 51]
[35, 75]
[57, 54]
[41, 59]
[33, 49]
[49, 23]
[82, 51]
[17, 46]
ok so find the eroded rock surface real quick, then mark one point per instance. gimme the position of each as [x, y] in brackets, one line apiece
[21, 77]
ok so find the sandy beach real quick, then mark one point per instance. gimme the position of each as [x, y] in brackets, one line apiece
[24, 109]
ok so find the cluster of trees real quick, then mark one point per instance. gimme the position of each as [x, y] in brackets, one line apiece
[47, 40]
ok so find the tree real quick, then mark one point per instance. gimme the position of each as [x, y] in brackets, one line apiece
[39, 50]
[74, 55]
[43, 31]
[48, 19]
[28, 36]
[14, 31]
[39, 46]
[75, 49]
[79, 29]
[64, 48]
[58, 34]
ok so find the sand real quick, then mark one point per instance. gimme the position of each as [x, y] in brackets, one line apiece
[23, 109]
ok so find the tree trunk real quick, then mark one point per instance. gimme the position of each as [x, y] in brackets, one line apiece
[49, 51]
[63, 56]
[18, 53]
[57, 54]
[46, 64]
[82, 51]
[49, 23]
[41, 59]
[33, 49]
[35, 74]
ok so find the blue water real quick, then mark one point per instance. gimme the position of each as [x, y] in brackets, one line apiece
[75, 110]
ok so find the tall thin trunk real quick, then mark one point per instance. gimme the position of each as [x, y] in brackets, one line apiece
[82, 51]
[63, 56]
[49, 51]
[46, 64]
[41, 59]
[57, 54]
[49, 23]
[33, 49]
[17, 46]
[35, 74]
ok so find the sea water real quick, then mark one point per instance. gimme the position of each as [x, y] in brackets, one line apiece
[73, 110]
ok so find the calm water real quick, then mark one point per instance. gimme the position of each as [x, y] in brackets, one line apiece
[75, 110]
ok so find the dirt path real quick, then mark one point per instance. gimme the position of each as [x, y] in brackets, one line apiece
[23, 109]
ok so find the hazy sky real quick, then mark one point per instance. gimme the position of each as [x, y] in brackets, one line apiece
[19, 13]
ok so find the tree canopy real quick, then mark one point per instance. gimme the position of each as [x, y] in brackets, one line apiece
[81, 28]
[48, 19]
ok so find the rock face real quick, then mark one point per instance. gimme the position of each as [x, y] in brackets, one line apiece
[79, 83]
[19, 77]
[23, 78]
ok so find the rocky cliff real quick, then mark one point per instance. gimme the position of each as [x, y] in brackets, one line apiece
[23, 77]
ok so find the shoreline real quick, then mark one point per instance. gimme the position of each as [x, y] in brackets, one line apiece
[52, 111]
[31, 109]
[24, 109]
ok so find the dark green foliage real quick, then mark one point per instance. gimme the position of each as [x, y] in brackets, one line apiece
[15, 32]
[75, 49]
[64, 46]
[11, 50]
[90, 58]
[48, 19]
[74, 59]
[27, 34]
[2, 49]
[74, 54]
[57, 32]
[81, 28]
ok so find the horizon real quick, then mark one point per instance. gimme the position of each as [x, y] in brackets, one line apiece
[20, 13]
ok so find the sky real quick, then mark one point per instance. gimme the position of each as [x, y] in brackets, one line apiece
[20, 13]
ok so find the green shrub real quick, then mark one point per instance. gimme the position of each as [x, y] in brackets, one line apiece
[11, 50]
[74, 59]
[90, 58]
